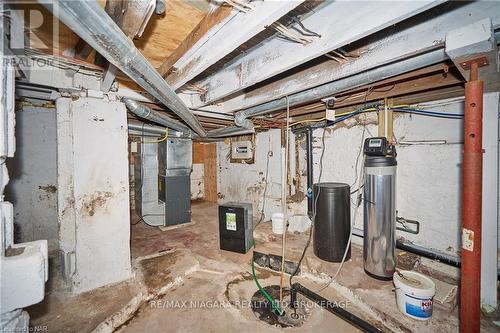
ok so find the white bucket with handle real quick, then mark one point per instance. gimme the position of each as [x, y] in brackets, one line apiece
[414, 294]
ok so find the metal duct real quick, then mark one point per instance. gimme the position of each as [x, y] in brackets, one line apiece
[335, 87]
[147, 129]
[229, 131]
[147, 113]
[89, 21]
[213, 134]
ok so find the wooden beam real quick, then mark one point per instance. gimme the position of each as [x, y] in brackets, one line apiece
[333, 21]
[420, 97]
[403, 85]
[226, 38]
[405, 40]
[210, 21]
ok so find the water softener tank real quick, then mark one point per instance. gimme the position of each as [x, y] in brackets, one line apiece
[379, 209]
[332, 223]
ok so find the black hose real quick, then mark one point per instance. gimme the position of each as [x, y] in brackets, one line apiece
[331, 307]
[309, 156]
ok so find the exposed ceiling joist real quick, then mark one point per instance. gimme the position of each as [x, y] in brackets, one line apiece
[132, 18]
[225, 38]
[338, 23]
[211, 22]
[406, 42]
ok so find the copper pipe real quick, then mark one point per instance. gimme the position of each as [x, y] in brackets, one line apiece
[470, 283]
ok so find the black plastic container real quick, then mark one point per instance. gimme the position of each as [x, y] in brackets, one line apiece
[332, 222]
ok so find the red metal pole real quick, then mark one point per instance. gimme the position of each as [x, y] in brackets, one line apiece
[470, 284]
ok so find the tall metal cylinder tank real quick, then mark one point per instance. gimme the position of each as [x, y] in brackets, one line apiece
[332, 223]
[380, 216]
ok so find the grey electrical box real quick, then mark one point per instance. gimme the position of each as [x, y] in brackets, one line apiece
[235, 227]
[174, 179]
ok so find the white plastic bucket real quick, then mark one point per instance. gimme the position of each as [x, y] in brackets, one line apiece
[414, 294]
[277, 223]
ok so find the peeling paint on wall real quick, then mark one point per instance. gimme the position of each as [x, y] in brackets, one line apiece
[94, 201]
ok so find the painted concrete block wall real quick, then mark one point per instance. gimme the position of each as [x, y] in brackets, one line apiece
[33, 179]
[94, 206]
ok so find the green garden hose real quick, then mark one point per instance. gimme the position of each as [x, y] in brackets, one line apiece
[274, 303]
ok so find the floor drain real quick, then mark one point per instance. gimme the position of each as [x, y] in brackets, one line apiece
[264, 311]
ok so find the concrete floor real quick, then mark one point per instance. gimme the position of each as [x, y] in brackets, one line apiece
[184, 283]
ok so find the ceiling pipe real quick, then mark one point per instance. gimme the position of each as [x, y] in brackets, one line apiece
[143, 128]
[147, 113]
[241, 118]
[213, 134]
[89, 21]
[229, 131]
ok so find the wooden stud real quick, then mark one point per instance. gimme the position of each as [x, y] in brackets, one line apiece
[210, 152]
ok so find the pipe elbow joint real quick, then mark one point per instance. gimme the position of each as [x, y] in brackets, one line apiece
[240, 120]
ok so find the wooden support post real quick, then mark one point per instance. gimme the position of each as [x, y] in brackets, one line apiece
[385, 121]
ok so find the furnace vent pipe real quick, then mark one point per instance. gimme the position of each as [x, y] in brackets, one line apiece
[241, 118]
[89, 21]
[140, 128]
[229, 131]
[147, 129]
[213, 134]
[147, 113]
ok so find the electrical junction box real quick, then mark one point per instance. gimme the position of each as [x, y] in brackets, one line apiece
[330, 114]
[235, 227]
[241, 150]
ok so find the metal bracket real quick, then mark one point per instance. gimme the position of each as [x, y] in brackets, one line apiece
[481, 61]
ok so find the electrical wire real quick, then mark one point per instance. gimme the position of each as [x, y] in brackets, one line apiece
[396, 108]
[361, 144]
[274, 303]
[269, 154]
[428, 113]
[141, 219]
[308, 242]
[155, 141]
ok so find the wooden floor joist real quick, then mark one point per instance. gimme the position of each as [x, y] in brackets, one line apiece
[426, 80]
[207, 23]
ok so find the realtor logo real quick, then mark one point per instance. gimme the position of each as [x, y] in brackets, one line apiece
[28, 24]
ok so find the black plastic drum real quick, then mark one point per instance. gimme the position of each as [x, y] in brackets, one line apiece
[332, 224]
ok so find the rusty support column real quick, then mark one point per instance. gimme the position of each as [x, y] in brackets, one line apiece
[470, 284]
